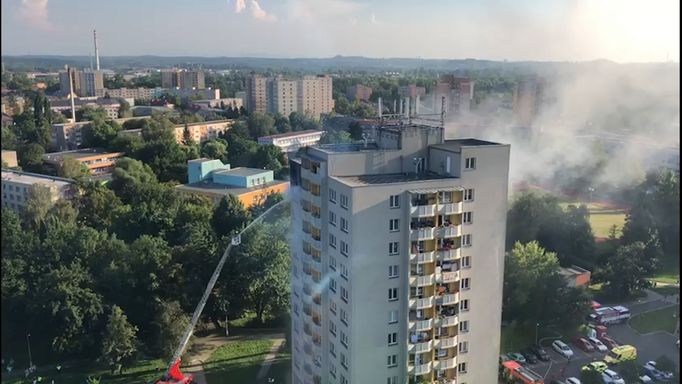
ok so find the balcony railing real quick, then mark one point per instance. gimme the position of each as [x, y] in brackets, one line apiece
[422, 303]
[422, 234]
[450, 231]
[449, 254]
[447, 277]
[447, 321]
[446, 342]
[448, 299]
[450, 208]
[421, 369]
[421, 325]
[423, 210]
[422, 281]
[445, 364]
[423, 257]
[423, 347]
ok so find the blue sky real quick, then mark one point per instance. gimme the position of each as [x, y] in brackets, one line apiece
[575, 30]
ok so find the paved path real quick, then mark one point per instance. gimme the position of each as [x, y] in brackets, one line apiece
[270, 358]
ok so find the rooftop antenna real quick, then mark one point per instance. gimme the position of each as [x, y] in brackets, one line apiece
[94, 33]
[442, 120]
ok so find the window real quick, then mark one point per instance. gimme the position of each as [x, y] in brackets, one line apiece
[332, 330]
[344, 248]
[462, 367]
[332, 306]
[332, 285]
[466, 241]
[344, 271]
[470, 163]
[466, 262]
[392, 271]
[344, 361]
[344, 380]
[332, 369]
[464, 326]
[344, 201]
[469, 194]
[332, 218]
[394, 201]
[344, 225]
[392, 380]
[344, 339]
[392, 361]
[467, 217]
[344, 294]
[332, 241]
[393, 225]
[393, 317]
[344, 317]
[332, 262]
[393, 248]
[393, 338]
[392, 294]
[465, 283]
[464, 305]
[463, 347]
[332, 195]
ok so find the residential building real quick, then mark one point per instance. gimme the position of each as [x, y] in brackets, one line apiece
[16, 187]
[283, 96]
[575, 276]
[131, 93]
[91, 83]
[198, 132]
[170, 78]
[9, 158]
[398, 259]
[315, 95]
[292, 141]
[225, 102]
[411, 91]
[192, 80]
[215, 180]
[242, 95]
[75, 81]
[359, 91]
[110, 106]
[528, 97]
[458, 93]
[98, 161]
[257, 94]
[68, 136]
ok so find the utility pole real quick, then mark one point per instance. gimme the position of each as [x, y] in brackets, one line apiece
[28, 343]
[536, 333]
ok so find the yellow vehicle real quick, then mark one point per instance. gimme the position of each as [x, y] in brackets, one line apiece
[620, 354]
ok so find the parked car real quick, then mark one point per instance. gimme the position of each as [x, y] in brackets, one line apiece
[583, 344]
[517, 357]
[561, 348]
[609, 342]
[598, 366]
[620, 354]
[598, 344]
[644, 379]
[651, 369]
[530, 356]
[611, 377]
[572, 380]
[540, 352]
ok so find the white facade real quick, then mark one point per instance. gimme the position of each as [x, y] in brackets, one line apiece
[290, 142]
[397, 265]
[17, 185]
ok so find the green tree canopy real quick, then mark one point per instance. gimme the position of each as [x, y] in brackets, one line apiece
[119, 341]
[229, 215]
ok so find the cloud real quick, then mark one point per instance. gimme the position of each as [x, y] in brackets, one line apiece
[374, 19]
[259, 13]
[34, 13]
[239, 5]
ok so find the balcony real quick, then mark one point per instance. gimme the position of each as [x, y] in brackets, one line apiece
[445, 364]
[450, 254]
[447, 277]
[446, 342]
[422, 303]
[450, 208]
[422, 234]
[448, 299]
[423, 210]
[421, 369]
[450, 231]
[447, 321]
[423, 257]
[421, 325]
[422, 281]
[420, 347]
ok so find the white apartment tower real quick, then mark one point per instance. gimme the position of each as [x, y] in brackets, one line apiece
[398, 259]
[315, 95]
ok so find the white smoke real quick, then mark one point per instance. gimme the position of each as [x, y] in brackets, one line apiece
[239, 5]
[259, 13]
[34, 13]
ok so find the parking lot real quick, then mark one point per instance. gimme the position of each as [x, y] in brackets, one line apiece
[649, 347]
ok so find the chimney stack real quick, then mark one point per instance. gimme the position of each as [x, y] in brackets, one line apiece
[379, 105]
[71, 94]
[94, 32]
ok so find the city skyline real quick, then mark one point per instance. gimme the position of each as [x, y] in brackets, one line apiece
[621, 31]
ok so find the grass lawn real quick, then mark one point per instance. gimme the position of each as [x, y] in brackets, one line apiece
[236, 362]
[143, 372]
[660, 320]
[602, 218]
[669, 271]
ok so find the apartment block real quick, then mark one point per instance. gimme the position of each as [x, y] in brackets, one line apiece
[283, 96]
[16, 187]
[398, 259]
[67, 136]
[99, 162]
[91, 83]
[181, 78]
[110, 106]
[292, 141]
[527, 100]
[64, 82]
[458, 93]
[315, 95]
[198, 132]
[9, 158]
[257, 94]
[359, 91]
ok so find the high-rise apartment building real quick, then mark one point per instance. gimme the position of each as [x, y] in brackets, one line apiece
[283, 96]
[185, 79]
[64, 81]
[458, 93]
[315, 95]
[257, 94]
[170, 78]
[528, 97]
[91, 83]
[398, 259]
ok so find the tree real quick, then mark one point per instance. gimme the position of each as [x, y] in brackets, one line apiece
[590, 377]
[169, 325]
[38, 203]
[215, 149]
[118, 341]
[97, 206]
[128, 174]
[282, 124]
[333, 136]
[186, 136]
[242, 150]
[230, 215]
[626, 271]
[100, 133]
[355, 130]
[268, 157]
[629, 371]
[260, 124]
[72, 169]
[124, 109]
[31, 157]
[9, 139]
